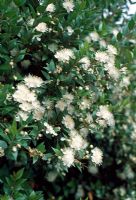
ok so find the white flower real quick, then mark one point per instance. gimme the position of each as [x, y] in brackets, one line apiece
[84, 132]
[29, 106]
[51, 8]
[61, 105]
[64, 55]
[70, 30]
[23, 94]
[124, 70]
[41, 2]
[68, 98]
[89, 118]
[58, 70]
[112, 70]
[88, 39]
[112, 49]
[68, 5]
[33, 81]
[73, 132]
[133, 136]
[97, 156]
[94, 36]
[125, 82]
[31, 96]
[70, 109]
[68, 157]
[48, 104]
[108, 58]
[85, 104]
[68, 122]
[103, 43]
[22, 88]
[25, 106]
[42, 27]
[115, 32]
[21, 115]
[85, 62]
[49, 129]
[101, 122]
[105, 114]
[77, 142]
[36, 104]
[1, 152]
[38, 113]
[101, 56]
[28, 99]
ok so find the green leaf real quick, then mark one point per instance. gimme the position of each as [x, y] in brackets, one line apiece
[134, 52]
[41, 147]
[3, 144]
[57, 152]
[35, 159]
[5, 197]
[19, 2]
[19, 174]
[13, 128]
[5, 68]
[14, 155]
[131, 24]
[47, 156]
[4, 136]
[46, 75]
[21, 55]
[51, 66]
[119, 36]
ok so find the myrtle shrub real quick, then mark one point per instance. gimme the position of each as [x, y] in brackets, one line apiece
[64, 99]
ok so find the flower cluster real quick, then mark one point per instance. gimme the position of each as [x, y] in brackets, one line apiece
[106, 55]
[34, 152]
[76, 141]
[72, 101]
[68, 122]
[85, 63]
[49, 129]
[51, 8]
[105, 117]
[68, 157]
[42, 27]
[97, 156]
[64, 55]
[27, 98]
[68, 5]
[108, 59]
[75, 110]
